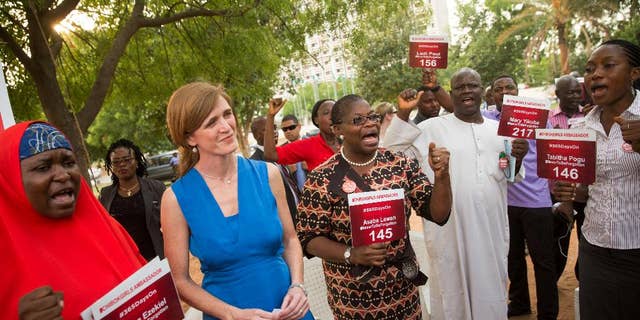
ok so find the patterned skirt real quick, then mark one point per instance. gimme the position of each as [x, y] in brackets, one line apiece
[387, 294]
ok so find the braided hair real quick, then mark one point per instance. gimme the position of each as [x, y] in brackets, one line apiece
[632, 51]
[141, 168]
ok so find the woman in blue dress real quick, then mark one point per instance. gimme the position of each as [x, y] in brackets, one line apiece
[232, 214]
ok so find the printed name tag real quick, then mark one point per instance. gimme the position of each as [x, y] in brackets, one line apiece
[377, 216]
[521, 116]
[568, 155]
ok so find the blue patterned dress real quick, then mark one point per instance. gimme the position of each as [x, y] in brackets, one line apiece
[241, 255]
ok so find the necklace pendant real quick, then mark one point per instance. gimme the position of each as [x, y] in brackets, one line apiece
[128, 193]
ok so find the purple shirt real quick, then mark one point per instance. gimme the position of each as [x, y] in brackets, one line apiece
[532, 191]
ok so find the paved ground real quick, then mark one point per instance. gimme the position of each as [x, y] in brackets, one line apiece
[566, 285]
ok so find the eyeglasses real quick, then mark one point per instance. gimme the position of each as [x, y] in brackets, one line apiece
[361, 120]
[289, 128]
[121, 161]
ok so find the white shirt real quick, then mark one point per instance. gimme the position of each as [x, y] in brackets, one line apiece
[612, 215]
[468, 255]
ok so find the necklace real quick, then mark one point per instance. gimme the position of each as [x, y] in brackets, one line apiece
[359, 164]
[129, 190]
[225, 180]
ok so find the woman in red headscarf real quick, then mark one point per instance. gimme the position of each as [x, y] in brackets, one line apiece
[62, 250]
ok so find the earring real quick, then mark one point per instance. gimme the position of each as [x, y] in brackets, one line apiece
[194, 149]
[341, 137]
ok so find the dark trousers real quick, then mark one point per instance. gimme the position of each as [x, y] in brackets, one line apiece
[609, 283]
[535, 225]
[562, 233]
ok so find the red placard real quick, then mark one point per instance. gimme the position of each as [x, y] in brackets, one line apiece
[521, 116]
[377, 216]
[428, 52]
[148, 294]
[568, 155]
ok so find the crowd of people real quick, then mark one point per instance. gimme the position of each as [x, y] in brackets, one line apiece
[250, 221]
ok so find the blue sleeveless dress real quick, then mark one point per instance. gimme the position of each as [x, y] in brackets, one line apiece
[241, 255]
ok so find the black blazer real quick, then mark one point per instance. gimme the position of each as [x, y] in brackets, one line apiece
[152, 191]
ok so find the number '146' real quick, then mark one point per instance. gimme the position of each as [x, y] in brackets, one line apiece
[566, 173]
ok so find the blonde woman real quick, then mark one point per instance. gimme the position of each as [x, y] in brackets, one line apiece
[232, 214]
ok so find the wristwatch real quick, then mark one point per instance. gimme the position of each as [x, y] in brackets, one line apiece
[347, 255]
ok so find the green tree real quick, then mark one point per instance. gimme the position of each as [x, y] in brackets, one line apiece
[379, 44]
[28, 32]
[553, 20]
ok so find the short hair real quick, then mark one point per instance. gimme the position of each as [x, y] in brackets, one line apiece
[504, 76]
[290, 117]
[256, 123]
[631, 50]
[141, 168]
[465, 70]
[342, 106]
[316, 107]
[187, 109]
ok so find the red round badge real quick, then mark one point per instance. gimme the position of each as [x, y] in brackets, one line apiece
[348, 186]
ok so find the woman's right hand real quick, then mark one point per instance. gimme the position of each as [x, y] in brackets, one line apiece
[41, 303]
[371, 255]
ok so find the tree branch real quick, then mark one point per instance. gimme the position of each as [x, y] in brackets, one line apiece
[197, 12]
[58, 13]
[16, 49]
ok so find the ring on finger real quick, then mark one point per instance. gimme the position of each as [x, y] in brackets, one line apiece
[436, 158]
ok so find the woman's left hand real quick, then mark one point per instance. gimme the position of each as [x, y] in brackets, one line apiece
[438, 160]
[295, 305]
[630, 132]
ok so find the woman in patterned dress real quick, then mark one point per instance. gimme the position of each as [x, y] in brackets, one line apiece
[377, 281]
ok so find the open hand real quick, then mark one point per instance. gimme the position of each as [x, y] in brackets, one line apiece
[275, 105]
[41, 303]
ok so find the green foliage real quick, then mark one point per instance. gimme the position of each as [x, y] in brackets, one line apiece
[380, 47]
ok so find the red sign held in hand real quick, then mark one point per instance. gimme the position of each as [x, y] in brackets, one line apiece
[567, 155]
[377, 216]
[521, 116]
[428, 51]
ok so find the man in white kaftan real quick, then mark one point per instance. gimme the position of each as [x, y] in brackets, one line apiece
[468, 255]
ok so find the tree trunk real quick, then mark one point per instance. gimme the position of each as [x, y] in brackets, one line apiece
[562, 45]
[57, 112]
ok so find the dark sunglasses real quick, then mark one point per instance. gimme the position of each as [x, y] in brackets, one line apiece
[291, 127]
[361, 120]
